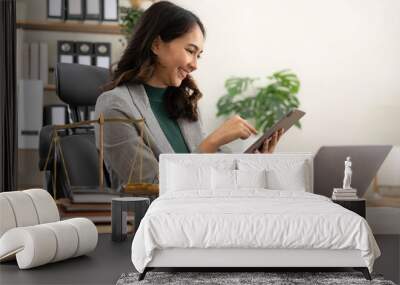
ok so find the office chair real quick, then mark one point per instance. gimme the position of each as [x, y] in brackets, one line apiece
[79, 87]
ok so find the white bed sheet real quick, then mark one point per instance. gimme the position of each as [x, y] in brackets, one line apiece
[252, 218]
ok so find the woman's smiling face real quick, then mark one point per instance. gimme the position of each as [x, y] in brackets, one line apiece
[177, 58]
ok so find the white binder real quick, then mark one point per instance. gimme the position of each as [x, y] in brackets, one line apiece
[56, 9]
[44, 63]
[110, 10]
[30, 114]
[34, 61]
[25, 61]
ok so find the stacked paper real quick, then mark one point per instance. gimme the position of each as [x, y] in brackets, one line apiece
[344, 194]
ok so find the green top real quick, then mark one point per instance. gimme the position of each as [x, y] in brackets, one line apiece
[169, 126]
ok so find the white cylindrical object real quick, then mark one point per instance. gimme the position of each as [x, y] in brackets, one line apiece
[7, 218]
[45, 206]
[37, 245]
[23, 207]
[67, 240]
[87, 234]
[40, 247]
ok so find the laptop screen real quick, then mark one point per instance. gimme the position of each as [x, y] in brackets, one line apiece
[329, 167]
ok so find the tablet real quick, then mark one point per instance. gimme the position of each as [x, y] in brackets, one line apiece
[285, 122]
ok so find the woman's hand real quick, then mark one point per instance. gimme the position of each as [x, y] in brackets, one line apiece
[232, 129]
[271, 142]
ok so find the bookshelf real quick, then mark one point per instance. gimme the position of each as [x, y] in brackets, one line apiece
[70, 26]
[75, 27]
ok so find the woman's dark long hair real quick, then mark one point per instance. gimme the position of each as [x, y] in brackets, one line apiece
[137, 64]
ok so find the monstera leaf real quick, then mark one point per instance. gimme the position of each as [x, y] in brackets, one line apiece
[267, 105]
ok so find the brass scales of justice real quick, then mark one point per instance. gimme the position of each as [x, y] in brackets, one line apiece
[135, 189]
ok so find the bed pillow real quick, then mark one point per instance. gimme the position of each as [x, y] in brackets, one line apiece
[228, 179]
[281, 174]
[293, 179]
[251, 178]
[188, 177]
[223, 179]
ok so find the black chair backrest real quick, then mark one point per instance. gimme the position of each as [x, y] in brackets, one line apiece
[79, 86]
[81, 159]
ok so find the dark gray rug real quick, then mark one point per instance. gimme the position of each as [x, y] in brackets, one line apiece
[229, 278]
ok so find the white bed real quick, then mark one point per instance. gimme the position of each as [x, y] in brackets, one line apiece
[213, 212]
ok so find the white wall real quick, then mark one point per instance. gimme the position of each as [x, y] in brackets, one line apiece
[345, 52]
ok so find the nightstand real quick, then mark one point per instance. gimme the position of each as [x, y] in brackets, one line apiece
[357, 206]
[119, 212]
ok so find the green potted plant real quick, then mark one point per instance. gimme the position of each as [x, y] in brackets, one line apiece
[130, 16]
[129, 20]
[269, 103]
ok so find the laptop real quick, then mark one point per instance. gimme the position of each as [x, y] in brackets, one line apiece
[329, 167]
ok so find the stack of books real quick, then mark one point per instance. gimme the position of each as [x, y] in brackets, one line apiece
[88, 202]
[91, 203]
[96, 212]
[344, 194]
[93, 195]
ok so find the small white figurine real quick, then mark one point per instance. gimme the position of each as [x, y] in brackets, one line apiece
[347, 174]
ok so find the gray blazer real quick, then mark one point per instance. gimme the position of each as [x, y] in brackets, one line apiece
[122, 143]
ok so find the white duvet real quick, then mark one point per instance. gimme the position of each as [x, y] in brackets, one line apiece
[252, 218]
